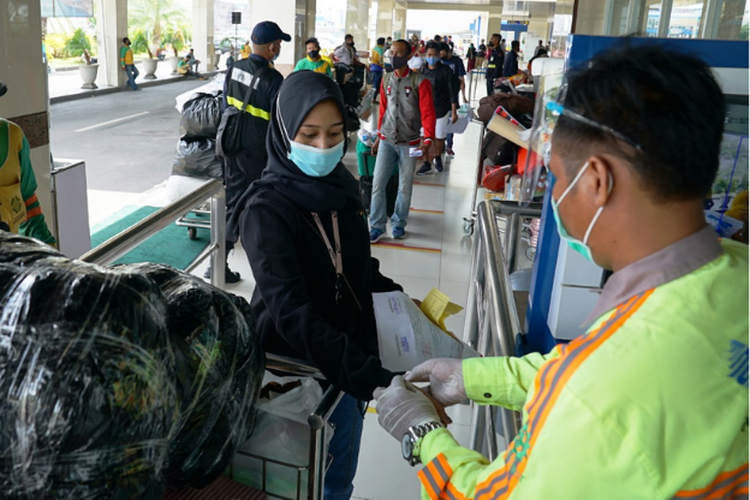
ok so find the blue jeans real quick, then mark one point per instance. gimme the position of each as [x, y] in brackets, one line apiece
[133, 73]
[449, 141]
[390, 155]
[377, 79]
[348, 420]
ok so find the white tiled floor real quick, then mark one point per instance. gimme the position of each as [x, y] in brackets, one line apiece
[442, 259]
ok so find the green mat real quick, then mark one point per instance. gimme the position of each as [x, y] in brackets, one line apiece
[170, 246]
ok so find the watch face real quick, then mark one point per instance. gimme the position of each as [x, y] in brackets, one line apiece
[407, 445]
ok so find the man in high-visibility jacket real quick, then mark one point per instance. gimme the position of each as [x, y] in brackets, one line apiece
[20, 211]
[652, 402]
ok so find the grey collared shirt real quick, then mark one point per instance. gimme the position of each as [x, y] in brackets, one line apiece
[673, 262]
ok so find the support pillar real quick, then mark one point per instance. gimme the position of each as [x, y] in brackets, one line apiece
[358, 21]
[385, 18]
[203, 33]
[27, 100]
[283, 13]
[112, 27]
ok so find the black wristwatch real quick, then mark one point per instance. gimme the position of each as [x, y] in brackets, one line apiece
[410, 441]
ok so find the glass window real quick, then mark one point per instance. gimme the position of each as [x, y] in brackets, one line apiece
[685, 19]
[733, 20]
[652, 17]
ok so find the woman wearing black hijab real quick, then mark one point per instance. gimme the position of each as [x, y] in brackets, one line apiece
[305, 233]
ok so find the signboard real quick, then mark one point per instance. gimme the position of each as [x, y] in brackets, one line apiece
[67, 8]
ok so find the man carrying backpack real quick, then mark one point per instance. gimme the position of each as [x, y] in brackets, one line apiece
[245, 159]
[406, 105]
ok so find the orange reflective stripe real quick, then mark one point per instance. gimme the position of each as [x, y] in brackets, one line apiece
[32, 200]
[435, 477]
[728, 484]
[548, 386]
[427, 484]
[33, 212]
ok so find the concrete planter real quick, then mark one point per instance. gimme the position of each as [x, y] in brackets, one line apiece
[149, 66]
[173, 62]
[88, 75]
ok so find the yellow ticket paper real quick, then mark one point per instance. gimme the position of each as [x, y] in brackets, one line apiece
[437, 306]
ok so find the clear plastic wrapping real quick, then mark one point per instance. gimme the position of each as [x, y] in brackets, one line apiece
[86, 392]
[116, 382]
[219, 370]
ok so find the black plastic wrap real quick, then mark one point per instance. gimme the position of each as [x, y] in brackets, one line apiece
[87, 397]
[220, 368]
[117, 382]
[201, 116]
[197, 158]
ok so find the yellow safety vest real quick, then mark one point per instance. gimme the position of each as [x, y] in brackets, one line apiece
[12, 205]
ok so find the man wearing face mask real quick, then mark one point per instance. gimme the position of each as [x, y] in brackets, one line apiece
[346, 53]
[244, 162]
[314, 61]
[495, 57]
[406, 105]
[446, 102]
[652, 402]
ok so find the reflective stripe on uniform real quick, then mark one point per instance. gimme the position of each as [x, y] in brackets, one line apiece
[728, 485]
[491, 66]
[257, 112]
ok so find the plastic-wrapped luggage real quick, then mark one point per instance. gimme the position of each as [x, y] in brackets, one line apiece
[86, 374]
[219, 369]
[197, 158]
[115, 380]
[201, 116]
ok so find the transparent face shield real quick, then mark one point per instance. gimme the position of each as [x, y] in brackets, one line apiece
[548, 110]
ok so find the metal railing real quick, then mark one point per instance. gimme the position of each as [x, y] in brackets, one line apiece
[492, 322]
[319, 428]
[123, 242]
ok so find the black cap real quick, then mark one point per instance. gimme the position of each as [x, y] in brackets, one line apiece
[3, 89]
[267, 32]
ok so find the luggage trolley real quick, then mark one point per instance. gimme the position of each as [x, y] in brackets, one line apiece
[319, 459]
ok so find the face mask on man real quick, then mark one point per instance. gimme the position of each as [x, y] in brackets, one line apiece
[577, 245]
[433, 60]
[350, 44]
[400, 61]
[313, 54]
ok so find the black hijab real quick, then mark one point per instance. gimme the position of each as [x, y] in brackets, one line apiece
[301, 92]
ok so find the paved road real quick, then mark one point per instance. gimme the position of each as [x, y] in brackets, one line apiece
[127, 138]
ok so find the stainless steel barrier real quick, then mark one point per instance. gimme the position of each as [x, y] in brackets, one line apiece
[319, 427]
[122, 243]
[492, 322]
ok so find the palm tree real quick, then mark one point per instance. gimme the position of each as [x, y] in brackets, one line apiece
[155, 17]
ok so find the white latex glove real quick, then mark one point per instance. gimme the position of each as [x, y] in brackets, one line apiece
[401, 406]
[446, 378]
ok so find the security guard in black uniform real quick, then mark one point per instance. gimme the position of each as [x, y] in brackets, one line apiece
[245, 162]
[495, 57]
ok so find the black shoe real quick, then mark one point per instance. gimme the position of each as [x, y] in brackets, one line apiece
[438, 164]
[424, 169]
[229, 275]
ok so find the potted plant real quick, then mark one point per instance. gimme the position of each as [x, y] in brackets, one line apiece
[176, 39]
[79, 43]
[88, 72]
[141, 45]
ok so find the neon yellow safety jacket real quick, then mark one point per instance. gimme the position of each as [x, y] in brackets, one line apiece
[651, 403]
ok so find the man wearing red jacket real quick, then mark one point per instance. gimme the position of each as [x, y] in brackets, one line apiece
[405, 106]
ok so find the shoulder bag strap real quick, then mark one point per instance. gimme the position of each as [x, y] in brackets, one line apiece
[252, 86]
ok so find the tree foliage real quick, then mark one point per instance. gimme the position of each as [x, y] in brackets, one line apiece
[159, 21]
[77, 44]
